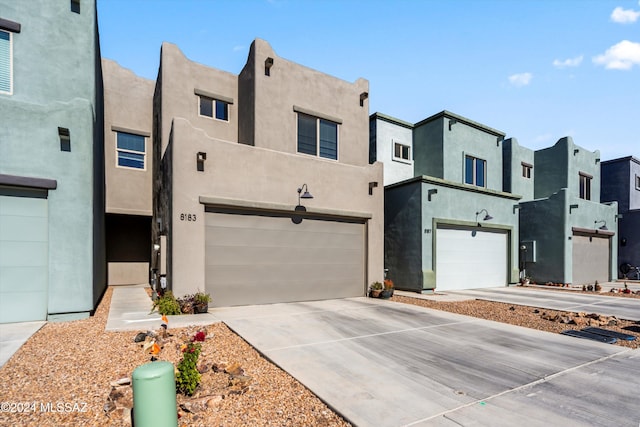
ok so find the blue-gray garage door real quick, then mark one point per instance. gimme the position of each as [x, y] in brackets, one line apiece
[23, 255]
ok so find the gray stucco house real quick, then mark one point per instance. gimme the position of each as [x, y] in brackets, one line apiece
[51, 161]
[621, 183]
[449, 225]
[446, 175]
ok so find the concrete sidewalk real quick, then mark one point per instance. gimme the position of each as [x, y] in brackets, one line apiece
[14, 335]
[130, 310]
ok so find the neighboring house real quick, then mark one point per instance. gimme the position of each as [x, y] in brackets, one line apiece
[451, 225]
[234, 156]
[51, 157]
[128, 113]
[565, 232]
[621, 182]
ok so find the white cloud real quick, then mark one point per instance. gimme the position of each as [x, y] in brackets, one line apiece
[238, 48]
[571, 62]
[624, 16]
[521, 79]
[621, 56]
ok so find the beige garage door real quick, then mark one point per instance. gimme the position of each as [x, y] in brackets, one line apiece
[467, 259]
[590, 259]
[260, 258]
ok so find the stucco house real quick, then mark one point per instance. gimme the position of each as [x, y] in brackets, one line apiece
[51, 161]
[566, 234]
[449, 225]
[621, 183]
[236, 160]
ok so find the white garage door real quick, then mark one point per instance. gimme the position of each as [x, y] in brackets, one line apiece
[590, 259]
[24, 256]
[259, 259]
[467, 259]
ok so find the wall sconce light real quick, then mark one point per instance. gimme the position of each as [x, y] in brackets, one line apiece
[597, 161]
[516, 207]
[372, 185]
[268, 63]
[572, 207]
[603, 227]
[452, 122]
[297, 219]
[363, 96]
[576, 151]
[200, 158]
[431, 192]
[487, 217]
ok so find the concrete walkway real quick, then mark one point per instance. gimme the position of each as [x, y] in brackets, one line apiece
[13, 335]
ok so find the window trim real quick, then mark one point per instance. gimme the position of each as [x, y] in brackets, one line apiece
[10, 91]
[527, 168]
[214, 97]
[587, 188]
[143, 135]
[318, 120]
[401, 159]
[474, 159]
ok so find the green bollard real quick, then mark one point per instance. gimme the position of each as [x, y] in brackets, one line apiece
[154, 395]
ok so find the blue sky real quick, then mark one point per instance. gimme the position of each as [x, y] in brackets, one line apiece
[537, 70]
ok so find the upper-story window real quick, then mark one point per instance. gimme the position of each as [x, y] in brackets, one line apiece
[637, 182]
[131, 151]
[585, 186]
[475, 171]
[401, 152]
[75, 6]
[318, 137]
[526, 170]
[6, 63]
[210, 107]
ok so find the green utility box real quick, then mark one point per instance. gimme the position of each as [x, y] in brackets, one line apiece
[154, 395]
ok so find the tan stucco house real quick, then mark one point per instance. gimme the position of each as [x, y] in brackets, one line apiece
[209, 174]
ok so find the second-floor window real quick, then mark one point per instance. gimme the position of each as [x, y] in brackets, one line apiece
[6, 63]
[585, 186]
[318, 137]
[475, 171]
[131, 150]
[210, 107]
[526, 170]
[401, 152]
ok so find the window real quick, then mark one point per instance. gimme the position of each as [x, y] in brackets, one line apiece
[585, 186]
[475, 171]
[6, 63]
[316, 135]
[75, 6]
[131, 150]
[401, 152]
[637, 182]
[65, 139]
[207, 108]
[526, 170]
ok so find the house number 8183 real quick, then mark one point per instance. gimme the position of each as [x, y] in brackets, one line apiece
[187, 217]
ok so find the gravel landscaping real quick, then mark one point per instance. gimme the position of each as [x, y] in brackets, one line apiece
[74, 373]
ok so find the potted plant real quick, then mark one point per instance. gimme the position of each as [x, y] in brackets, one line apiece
[201, 302]
[387, 292]
[375, 289]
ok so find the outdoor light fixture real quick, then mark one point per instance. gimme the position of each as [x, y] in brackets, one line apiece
[603, 227]
[487, 217]
[305, 195]
[363, 96]
[452, 122]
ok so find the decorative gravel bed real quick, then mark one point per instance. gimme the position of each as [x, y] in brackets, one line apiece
[64, 374]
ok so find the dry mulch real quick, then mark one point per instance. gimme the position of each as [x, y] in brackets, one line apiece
[73, 364]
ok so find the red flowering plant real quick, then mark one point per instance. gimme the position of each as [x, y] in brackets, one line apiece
[388, 284]
[199, 336]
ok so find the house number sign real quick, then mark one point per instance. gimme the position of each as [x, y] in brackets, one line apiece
[187, 217]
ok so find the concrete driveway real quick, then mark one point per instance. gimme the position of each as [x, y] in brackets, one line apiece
[380, 363]
[622, 308]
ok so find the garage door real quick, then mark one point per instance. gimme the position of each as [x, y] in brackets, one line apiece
[590, 259]
[23, 256]
[259, 258]
[467, 259]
